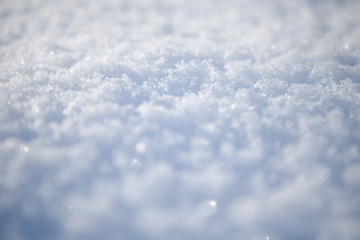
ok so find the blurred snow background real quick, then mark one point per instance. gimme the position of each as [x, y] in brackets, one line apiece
[192, 119]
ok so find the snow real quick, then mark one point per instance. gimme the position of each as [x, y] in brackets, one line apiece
[202, 119]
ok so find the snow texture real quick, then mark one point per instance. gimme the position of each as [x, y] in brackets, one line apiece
[185, 119]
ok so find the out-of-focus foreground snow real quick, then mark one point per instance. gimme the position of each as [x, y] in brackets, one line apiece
[179, 119]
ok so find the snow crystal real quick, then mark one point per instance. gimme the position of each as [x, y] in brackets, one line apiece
[25, 149]
[212, 203]
[136, 163]
[150, 119]
[140, 147]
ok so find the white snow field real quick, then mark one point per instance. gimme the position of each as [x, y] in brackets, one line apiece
[173, 120]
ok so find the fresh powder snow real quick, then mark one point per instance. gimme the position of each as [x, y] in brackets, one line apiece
[181, 119]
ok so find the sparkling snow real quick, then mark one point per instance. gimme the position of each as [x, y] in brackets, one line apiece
[183, 119]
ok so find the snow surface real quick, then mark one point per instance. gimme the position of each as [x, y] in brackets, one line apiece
[187, 119]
